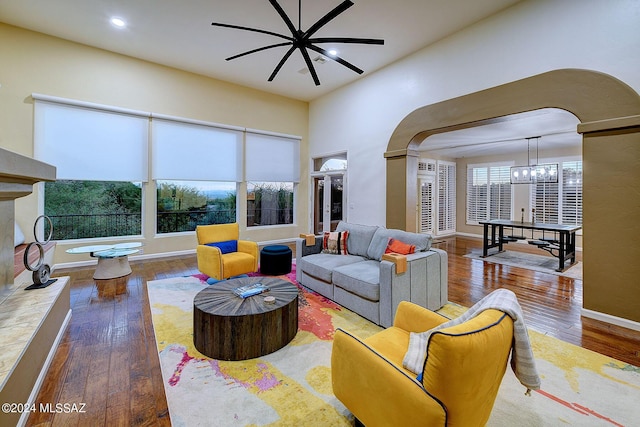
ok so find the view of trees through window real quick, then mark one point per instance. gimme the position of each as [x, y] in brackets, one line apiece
[87, 209]
[182, 205]
[269, 203]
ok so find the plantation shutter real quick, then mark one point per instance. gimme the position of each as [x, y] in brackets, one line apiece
[500, 193]
[477, 193]
[446, 197]
[545, 199]
[489, 193]
[426, 206]
[572, 193]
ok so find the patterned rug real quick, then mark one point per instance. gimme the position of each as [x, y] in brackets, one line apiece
[292, 386]
[541, 263]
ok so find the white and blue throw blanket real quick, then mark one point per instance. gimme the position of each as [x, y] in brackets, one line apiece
[522, 360]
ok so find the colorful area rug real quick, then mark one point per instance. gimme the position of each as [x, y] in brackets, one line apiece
[292, 386]
[541, 263]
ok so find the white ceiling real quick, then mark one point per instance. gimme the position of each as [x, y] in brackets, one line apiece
[179, 34]
[556, 129]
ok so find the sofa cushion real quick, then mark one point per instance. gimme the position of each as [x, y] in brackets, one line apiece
[321, 265]
[380, 240]
[361, 278]
[359, 237]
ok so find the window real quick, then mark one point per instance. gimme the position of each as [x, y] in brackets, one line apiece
[561, 202]
[195, 184]
[100, 156]
[182, 205]
[489, 193]
[269, 203]
[272, 173]
[89, 209]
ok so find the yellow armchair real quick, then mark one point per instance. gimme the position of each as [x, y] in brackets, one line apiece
[464, 368]
[221, 261]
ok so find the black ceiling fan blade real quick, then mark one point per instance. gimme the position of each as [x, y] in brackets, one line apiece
[284, 17]
[310, 66]
[281, 63]
[328, 17]
[258, 50]
[337, 59]
[346, 40]
[255, 30]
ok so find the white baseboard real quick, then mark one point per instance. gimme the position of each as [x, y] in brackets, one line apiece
[142, 257]
[614, 320]
[45, 367]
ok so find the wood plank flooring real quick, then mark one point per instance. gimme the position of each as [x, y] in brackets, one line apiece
[108, 356]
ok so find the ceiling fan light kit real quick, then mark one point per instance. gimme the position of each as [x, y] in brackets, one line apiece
[303, 40]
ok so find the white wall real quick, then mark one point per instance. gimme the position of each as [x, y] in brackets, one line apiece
[529, 38]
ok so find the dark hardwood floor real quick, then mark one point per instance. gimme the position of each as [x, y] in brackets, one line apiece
[108, 357]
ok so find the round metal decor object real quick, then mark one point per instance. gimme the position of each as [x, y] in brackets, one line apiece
[40, 257]
[35, 229]
[42, 275]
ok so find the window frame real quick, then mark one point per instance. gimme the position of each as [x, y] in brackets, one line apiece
[488, 194]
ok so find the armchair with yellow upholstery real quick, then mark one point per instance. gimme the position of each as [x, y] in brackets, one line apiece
[463, 370]
[221, 254]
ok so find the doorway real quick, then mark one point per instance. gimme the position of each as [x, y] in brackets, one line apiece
[329, 195]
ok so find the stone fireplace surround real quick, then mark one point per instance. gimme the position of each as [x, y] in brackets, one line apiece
[31, 322]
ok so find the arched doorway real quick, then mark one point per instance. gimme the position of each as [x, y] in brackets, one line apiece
[609, 112]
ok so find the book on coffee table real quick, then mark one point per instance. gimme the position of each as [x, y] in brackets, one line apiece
[250, 290]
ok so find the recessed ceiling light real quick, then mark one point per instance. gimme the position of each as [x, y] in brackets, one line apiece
[118, 22]
[333, 52]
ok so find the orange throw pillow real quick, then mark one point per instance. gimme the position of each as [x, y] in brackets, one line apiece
[398, 247]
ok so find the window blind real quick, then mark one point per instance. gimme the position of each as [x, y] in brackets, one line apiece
[489, 193]
[446, 197]
[91, 144]
[272, 158]
[195, 152]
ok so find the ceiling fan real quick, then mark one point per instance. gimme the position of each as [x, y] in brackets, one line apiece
[303, 41]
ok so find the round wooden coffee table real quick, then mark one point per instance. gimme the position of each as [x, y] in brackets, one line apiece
[228, 327]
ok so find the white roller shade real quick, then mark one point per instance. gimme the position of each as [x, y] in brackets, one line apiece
[272, 158]
[91, 144]
[195, 152]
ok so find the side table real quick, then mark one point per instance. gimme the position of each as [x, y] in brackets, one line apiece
[113, 260]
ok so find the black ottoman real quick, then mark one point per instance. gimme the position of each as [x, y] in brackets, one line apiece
[275, 260]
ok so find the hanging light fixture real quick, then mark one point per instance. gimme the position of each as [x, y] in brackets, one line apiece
[534, 173]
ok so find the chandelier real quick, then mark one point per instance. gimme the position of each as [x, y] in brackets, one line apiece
[534, 173]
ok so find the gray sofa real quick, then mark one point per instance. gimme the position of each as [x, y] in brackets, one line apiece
[364, 283]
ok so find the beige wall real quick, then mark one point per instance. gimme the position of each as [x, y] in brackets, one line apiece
[35, 63]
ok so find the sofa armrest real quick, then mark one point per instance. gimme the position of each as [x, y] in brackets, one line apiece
[375, 390]
[413, 318]
[424, 283]
[250, 247]
[303, 250]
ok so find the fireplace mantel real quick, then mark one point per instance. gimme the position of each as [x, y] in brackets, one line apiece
[17, 175]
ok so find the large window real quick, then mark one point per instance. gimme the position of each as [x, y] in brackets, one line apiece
[183, 205]
[560, 202]
[100, 156]
[489, 193]
[88, 209]
[196, 168]
[269, 203]
[272, 173]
